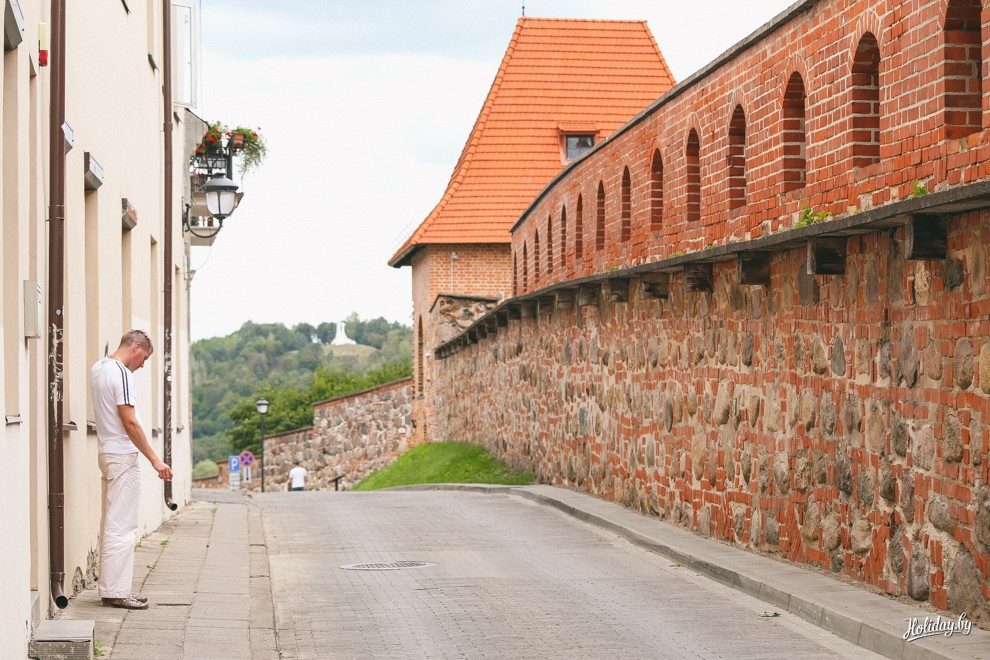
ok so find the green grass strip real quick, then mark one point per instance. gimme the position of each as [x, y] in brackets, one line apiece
[445, 463]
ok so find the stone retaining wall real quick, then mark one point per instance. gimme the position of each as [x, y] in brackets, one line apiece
[352, 436]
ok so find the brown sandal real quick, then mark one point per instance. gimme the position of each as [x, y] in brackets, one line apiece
[129, 603]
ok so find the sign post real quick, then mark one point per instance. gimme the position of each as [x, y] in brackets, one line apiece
[234, 472]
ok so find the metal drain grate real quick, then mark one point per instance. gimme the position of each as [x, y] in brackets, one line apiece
[386, 566]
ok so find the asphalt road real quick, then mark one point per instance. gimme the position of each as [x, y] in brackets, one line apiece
[504, 578]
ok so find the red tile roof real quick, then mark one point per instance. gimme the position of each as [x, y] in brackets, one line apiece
[557, 75]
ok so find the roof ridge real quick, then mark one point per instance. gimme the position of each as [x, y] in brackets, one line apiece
[582, 20]
[469, 148]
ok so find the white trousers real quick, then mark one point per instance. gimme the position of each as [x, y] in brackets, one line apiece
[121, 497]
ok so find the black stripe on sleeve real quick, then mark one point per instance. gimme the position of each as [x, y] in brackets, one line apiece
[123, 376]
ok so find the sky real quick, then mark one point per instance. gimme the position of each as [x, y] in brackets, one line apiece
[365, 106]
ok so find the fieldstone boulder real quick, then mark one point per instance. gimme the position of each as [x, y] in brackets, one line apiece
[981, 527]
[906, 501]
[861, 536]
[831, 532]
[962, 364]
[771, 533]
[802, 474]
[952, 443]
[907, 360]
[898, 434]
[747, 349]
[838, 357]
[866, 488]
[888, 484]
[918, 577]
[812, 525]
[923, 447]
[965, 589]
[939, 514]
[985, 368]
[895, 552]
[953, 272]
[827, 413]
[723, 403]
[782, 473]
[864, 357]
[819, 359]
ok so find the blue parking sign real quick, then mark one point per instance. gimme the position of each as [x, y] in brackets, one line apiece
[234, 463]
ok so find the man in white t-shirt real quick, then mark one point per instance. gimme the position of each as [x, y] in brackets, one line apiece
[297, 478]
[121, 437]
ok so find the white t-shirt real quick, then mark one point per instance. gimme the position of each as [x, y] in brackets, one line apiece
[112, 385]
[297, 476]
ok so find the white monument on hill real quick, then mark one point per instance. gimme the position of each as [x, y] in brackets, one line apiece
[341, 338]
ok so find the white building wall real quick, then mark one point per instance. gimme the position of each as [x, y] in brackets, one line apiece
[113, 282]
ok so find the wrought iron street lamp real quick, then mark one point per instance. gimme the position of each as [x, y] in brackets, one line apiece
[221, 200]
[262, 406]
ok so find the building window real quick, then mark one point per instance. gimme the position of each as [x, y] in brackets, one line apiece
[576, 145]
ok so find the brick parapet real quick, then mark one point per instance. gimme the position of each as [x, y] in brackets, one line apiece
[818, 40]
[835, 421]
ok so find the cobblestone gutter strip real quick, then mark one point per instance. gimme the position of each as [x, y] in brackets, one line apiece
[856, 615]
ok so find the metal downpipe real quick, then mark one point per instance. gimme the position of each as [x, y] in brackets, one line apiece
[167, 279]
[56, 268]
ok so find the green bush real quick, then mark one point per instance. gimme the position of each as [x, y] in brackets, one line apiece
[205, 469]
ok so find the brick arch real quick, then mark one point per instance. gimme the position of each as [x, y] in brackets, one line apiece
[692, 175]
[625, 207]
[579, 227]
[868, 22]
[865, 86]
[536, 258]
[600, 217]
[656, 189]
[961, 22]
[793, 132]
[795, 63]
[525, 268]
[736, 157]
[420, 346]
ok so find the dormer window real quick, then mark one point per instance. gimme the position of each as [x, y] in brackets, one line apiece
[575, 139]
[576, 145]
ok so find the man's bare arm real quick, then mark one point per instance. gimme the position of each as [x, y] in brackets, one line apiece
[128, 417]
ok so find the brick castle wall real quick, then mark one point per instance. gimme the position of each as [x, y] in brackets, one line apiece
[839, 421]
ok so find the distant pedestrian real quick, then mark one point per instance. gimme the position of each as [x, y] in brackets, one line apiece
[297, 478]
[120, 437]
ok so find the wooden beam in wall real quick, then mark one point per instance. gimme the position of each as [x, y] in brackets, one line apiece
[655, 286]
[827, 255]
[754, 267]
[547, 303]
[698, 277]
[527, 309]
[566, 298]
[589, 294]
[926, 237]
[618, 289]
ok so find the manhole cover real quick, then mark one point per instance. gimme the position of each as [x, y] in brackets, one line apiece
[386, 566]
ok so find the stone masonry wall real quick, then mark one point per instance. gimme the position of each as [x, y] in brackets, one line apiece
[844, 426]
[837, 420]
[352, 436]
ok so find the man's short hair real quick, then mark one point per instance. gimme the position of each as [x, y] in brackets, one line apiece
[132, 337]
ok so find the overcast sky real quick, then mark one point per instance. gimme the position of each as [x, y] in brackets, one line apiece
[366, 106]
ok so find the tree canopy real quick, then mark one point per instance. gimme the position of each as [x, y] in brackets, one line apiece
[290, 367]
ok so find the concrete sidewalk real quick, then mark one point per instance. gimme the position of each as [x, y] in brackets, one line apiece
[206, 574]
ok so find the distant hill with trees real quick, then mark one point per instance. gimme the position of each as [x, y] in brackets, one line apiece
[290, 367]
